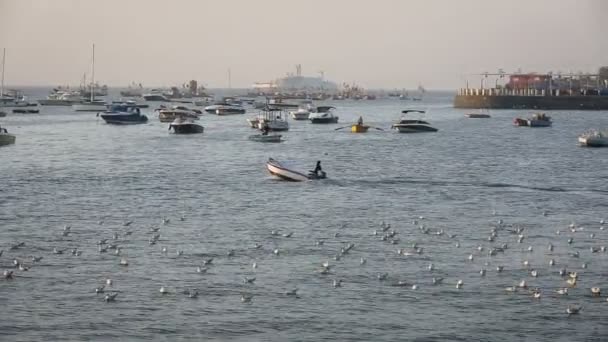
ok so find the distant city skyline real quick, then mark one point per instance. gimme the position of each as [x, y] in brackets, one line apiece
[381, 44]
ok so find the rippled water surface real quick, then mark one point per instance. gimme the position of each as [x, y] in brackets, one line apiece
[72, 169]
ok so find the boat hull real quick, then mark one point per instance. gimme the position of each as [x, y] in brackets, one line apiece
[187, 128]
[124, 119]
[57, 102]
[593, 141]
[171, 116]
[266, 138]
[539, 123]
[6, 139]
[300, 116]
[89, 108]
[477, 116]
[414, 128]
[329, 120]
[359, 128]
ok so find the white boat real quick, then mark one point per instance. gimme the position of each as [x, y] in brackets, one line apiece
[323, 115]
[594, 138]
[479, 115]
[281, 171]
[413, 126]
[92, 105]
[5, 137]
[270, 138]
[273, 120]
[170, 114]
[62, 98]
[183, 125]
[300, 114]
[254, 121]
[225, 109]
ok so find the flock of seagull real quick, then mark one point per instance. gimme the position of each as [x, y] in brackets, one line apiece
[501, 239]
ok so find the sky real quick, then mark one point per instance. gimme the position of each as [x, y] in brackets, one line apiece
[375, 44]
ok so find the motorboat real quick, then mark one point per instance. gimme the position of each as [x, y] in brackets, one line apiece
[90, 106]
[479, 115]
[281, 171]
[323, 115]
[123, 114]
[537, 120]
[155, 97]
[269, 138]
[413, 126]
[5, 137]
[170, 114]
[183, 125]
[300, 114]
[254, 121]
[594, 138]
[225, 109]
[273, 119]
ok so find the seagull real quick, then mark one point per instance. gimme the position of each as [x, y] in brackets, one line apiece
[124, 262]
[254, 265]
[457, 244]
[201, 270]
[58, 251]
[319, 242]
[511, 289]
[179, 253]
[530, 249]
[288, 234]
[526, 263]
[110, 297]
[550, 248]
[520, 238]
[562, 291]
[18, 245]
[257, 246]
[482, 272]
[115, 236]
[102, 241]
[127, 223]
[571, 282]
[276, 251]
[99, 289]
[192, 293]
[552, 262]
[414, 287]
[163, 290]
[480, 248]
[337, 283]
[207, 261]
[431, 267]
[247, 280]
[246, 298]
[23, 268]
[382, 276]
[34, 258]
[570, 240]
[103, 249]
[166, 220]
[274, 233]
[154, 229]
[362, 261]
[109, 282]
[7, 274]
[182, 218]
[596, 291]
[573, 310]
[536, 294]
[499, 268]
[534, 273]
[437, 281]
[293, 292]
[594, 249]
[562, 272]
[76, 252]
[523, 284]
[459, 284]
[230, 253]
[471, 257]
[584, 265]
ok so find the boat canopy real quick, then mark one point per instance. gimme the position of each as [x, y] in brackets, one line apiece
[124, 107]
[324, 109]
[412, 111]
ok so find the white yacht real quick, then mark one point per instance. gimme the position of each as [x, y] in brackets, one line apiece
[594, 138]
[63, 98]
[300, 114]
[413, 126]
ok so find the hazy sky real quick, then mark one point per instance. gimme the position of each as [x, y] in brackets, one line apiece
[379, 43]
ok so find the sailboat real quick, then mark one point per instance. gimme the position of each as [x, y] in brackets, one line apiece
[92, 105]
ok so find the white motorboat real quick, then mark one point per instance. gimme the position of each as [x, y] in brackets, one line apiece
[63, 98]
[594, 138]
[155, 97]
[170, 114]
[323, 115]
[279, 170]
[300, 114]
[225, 109]
[6, 138]
[413, 126]
[183, 125]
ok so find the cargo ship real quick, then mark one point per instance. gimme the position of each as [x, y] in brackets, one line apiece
[538, 91]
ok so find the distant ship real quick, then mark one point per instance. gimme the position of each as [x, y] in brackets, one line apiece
[539, 91]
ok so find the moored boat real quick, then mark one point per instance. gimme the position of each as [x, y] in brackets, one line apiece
[300, 114]
[594, 138]
[273, 119]
[90, 106]
[281, 171]
[359, 128]
[123, 114]
[413, 126]
[537, 120]
[183, 125]
[25, 111]
[170, 114]
[225, 109]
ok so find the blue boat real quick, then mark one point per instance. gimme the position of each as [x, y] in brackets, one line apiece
[123, 114]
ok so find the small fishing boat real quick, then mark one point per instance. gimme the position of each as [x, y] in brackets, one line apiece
[537, 120]
[185, 126]
[123, 114]
[6, 138]
[270, 138]
[281, 171]
[273, 119]
[359, 127]
[594, 138]
[300, 114]
[413, 126]
[170, 114]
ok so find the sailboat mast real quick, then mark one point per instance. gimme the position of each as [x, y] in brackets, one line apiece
[93, 77]
[2, 83]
